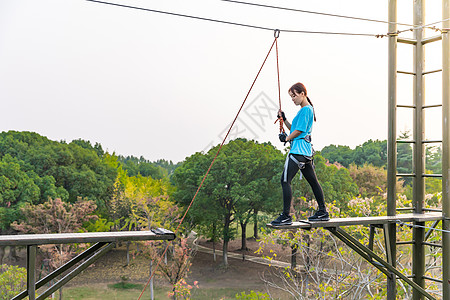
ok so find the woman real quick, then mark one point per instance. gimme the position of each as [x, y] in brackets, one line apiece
[300, 156]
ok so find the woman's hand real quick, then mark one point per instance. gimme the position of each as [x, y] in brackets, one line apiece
[281, 115]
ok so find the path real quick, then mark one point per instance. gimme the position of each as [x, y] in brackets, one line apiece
[255, 259]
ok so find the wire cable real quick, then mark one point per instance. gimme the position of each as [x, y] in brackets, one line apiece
[420, 226]
[237, 24]
[315, 12]
[210, 166]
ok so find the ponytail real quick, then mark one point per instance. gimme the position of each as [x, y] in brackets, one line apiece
[310, 103]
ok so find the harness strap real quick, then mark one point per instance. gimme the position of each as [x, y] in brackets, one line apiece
[300, 164]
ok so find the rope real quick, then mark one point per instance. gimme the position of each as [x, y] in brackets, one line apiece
[280, 119]
[316, 13]
[239, 24]
[209, 169]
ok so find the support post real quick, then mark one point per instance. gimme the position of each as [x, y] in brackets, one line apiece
[31, 271]
[446, 150]
[418, 268]
[392, 142]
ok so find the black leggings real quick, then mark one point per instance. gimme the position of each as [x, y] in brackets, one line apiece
[308, 172]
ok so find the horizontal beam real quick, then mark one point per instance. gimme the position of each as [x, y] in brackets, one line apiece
[432, 105]
[431, 72]
[406, 41]
[406, 106]
[431, 39]
[406, 72]
[84, 237]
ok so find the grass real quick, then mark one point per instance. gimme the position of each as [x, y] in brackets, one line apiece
[104, 292]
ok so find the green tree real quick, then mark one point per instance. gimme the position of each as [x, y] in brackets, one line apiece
[339, 154]
[238, 183]
[13, 280]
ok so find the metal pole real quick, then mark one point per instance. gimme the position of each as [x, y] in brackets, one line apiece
[31, 271]
[446, 150]
[392, 144]
[418, 153]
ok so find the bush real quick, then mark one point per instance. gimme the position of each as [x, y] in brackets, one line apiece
[253, 296]
[13, 280]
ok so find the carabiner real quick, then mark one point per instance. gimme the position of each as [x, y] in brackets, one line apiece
[276, 33]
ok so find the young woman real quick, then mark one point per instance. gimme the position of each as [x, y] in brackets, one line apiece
[300, 156]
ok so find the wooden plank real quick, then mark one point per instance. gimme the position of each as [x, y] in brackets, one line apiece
[85, 237]
[366, 221]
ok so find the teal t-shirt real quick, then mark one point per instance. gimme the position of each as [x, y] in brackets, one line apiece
[303, 122]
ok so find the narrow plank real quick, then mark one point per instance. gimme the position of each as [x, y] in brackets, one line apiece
[85, 237]
[366, 221]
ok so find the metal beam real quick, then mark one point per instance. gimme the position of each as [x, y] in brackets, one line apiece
[76, 271]
[31, 271]
[353, 243]
[418, 267]
[62, 269]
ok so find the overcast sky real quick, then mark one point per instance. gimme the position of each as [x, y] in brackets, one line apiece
[161, 86]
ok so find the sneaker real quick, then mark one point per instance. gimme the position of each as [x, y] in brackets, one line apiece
[320, 215]
[282, 220]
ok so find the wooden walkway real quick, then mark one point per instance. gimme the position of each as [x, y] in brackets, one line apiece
[366, 221]
[103, 242]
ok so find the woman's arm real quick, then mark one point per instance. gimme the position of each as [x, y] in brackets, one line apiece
[288, 125]
[293, 135]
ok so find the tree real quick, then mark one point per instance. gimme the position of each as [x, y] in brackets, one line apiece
[176, 269]
[339, 154]
[13, 280]
[55, 216]
[237, 185]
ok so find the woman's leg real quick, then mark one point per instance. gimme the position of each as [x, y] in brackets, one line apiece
[290, 169]
[310, 176]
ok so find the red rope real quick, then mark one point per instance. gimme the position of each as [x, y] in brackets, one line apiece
[210, 166]
[280, 119]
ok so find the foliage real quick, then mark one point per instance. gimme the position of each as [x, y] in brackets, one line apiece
[140, 166]
[370, 152]
[58, 169]
[13, 280]
[178, 263]
[182, 290]
[126, 286]
[253, 296]
[140, 202]
[243, 180]
[56, 216]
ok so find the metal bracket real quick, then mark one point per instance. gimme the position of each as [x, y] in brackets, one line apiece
[375, 260]
[93, 253]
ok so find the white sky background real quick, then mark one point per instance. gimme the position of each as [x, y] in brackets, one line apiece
[161, 86]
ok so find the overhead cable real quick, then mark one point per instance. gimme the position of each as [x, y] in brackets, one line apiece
[315, 12]
[237, 24]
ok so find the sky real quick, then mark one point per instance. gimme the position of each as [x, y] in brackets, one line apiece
[164, 87]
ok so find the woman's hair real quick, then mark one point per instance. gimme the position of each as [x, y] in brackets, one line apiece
[300, 88]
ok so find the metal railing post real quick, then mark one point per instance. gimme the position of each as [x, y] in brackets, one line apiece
[31, 271]
[418, 154]
[392, 145]
[446, 150]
